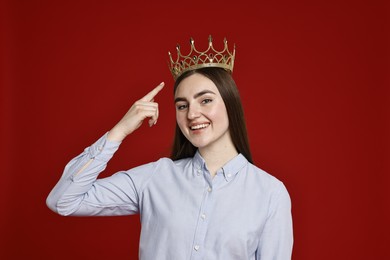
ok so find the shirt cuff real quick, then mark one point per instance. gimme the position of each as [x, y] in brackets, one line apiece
[103, 149]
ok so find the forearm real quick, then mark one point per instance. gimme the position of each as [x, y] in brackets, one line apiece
[79, 176]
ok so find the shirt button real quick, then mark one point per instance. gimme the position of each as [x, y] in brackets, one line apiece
[203, 216]
[229, 175]
[209, 189]
[199, 172]
[196, 247]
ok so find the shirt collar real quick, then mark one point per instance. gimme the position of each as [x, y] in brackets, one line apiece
[230, 169]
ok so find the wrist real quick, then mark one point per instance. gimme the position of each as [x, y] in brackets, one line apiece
[116, 135]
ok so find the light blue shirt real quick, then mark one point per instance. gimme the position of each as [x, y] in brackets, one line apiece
[241, 213]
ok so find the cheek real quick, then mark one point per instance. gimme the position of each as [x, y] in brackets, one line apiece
[219, 114]
[180, 120]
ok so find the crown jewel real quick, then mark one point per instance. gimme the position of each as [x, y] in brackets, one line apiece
[200, 59]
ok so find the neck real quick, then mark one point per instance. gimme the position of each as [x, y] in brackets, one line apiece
[216, 157]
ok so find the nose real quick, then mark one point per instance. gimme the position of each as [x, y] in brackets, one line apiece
[193, 112]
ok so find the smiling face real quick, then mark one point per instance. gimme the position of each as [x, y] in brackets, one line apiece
[201, 113]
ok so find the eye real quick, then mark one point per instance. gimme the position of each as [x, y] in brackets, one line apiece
[207, 100]
[181, 106]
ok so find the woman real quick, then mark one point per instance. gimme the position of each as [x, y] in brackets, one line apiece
[207, 202]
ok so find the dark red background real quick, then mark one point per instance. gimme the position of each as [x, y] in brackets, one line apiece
[314, 80]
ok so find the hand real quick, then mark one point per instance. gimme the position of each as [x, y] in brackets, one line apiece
[132, 120]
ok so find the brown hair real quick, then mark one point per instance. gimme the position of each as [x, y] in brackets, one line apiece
[223, 80]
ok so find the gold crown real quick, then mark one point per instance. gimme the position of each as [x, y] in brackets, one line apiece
[200, 59]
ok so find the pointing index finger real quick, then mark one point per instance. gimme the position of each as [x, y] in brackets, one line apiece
[150, 96]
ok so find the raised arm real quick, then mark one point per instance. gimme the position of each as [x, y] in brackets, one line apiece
[78, 192]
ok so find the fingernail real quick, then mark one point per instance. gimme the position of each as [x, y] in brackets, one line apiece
[155, 122]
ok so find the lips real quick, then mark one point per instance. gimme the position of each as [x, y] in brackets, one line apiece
[199, 126]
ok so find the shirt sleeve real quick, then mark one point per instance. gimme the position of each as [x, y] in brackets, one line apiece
[80, 193]
[276, 241]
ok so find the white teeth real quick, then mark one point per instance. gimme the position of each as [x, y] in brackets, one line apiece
[195, 127]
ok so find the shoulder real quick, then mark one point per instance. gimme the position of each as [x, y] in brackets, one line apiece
[157, 172]
[270, 187]
[266, 180]
[163, 163]
[261, 174]
[168, 162]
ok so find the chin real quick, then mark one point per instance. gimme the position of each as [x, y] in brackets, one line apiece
[200, 145]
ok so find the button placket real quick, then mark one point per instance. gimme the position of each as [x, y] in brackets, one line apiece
[202, 225]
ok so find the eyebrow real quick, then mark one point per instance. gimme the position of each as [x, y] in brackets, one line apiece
[204, 92]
